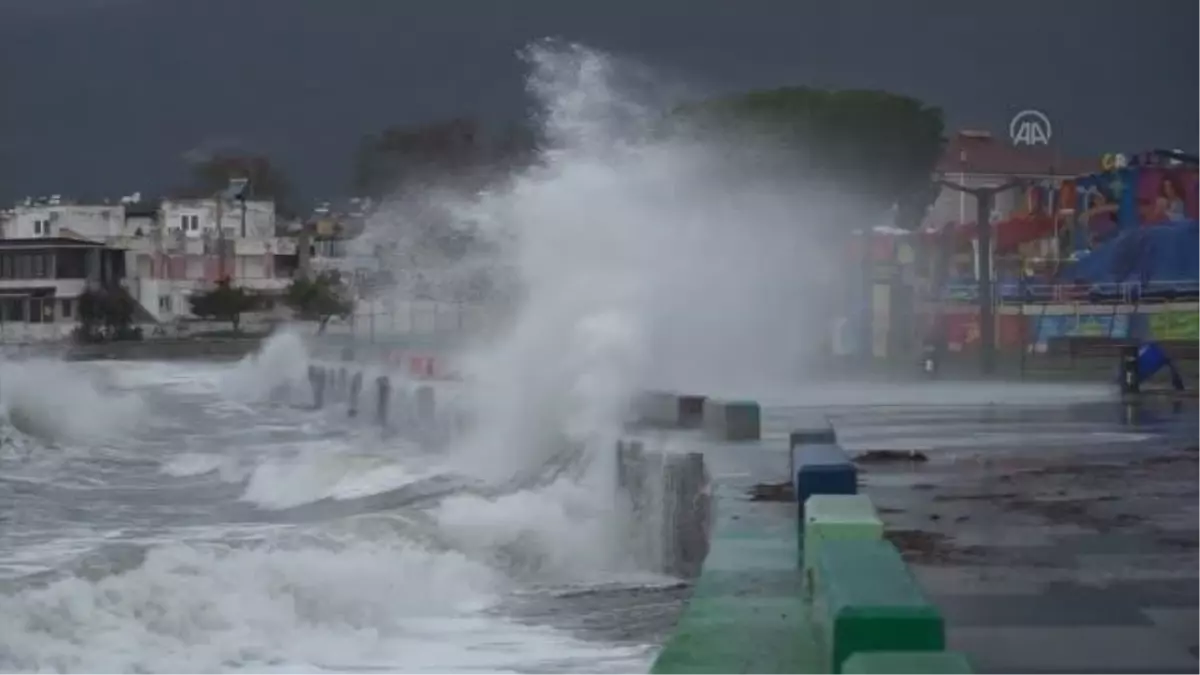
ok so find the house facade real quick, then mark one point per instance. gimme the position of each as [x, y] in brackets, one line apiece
[41, 280]
[170, 248]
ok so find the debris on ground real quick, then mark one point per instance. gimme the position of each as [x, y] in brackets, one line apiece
[881, 456]
[772, 492]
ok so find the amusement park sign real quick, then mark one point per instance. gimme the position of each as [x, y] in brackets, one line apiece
[1030, 127]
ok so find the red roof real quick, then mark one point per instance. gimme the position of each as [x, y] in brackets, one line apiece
[981, 153]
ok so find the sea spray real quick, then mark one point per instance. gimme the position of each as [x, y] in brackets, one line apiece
[277, 370]
[634, 254]
[58, 403]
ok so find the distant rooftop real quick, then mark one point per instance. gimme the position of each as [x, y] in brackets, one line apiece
[979, 152]
[50, 242]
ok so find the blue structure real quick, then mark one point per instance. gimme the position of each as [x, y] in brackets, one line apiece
[823, 469]
[1161, 260]
[1150, 359]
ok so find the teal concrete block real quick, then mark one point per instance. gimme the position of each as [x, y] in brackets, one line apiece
[828, 517]
[866, 600]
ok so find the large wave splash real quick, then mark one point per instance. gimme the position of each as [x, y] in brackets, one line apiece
[56, 402]
[640, 259]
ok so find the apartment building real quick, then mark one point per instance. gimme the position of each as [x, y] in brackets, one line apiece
[172, 247]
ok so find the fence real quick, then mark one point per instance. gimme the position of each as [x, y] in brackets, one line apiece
[1029, 334]
[405, 319]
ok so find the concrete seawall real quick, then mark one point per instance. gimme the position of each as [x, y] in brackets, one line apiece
[753, 607]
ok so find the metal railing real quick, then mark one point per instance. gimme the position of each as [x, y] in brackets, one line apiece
[1127, 292]
[413, 318]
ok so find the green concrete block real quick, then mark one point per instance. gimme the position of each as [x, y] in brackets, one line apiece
[732, 420]
[908, 663]
[867, 600]
[741, 635]
[828, 517]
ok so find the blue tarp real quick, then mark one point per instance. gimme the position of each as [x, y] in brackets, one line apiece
[1158, 253]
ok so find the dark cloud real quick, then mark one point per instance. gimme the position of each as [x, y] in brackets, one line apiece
[105, 94]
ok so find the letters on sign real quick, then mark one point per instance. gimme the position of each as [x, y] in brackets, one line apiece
[1030, 127]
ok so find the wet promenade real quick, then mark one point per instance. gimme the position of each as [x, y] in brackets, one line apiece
[1053, 537]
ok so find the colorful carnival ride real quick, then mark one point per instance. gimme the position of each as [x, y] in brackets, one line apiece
[1112, 254]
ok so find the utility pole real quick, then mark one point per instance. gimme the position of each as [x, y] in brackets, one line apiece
[235, 190]
[220, 237]
[985, 198]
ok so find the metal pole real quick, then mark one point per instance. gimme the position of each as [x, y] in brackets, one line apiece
[220, 239]
[984, 199]
[987, 310]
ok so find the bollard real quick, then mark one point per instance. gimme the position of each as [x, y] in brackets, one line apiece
[383, 387]
[1130, 383]
[688, 514]
[814, 432]
[426, 405]
[316, 377]
[355, 390]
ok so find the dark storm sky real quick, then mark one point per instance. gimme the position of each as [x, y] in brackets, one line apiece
[107, 96]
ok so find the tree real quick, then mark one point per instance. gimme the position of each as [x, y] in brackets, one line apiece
[320, 298]
[401, 156]
[445, 153]
[879, 148]
[225, 302]
[106, 313]
[265, 180]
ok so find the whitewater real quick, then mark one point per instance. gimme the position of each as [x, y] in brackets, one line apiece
[198, 526]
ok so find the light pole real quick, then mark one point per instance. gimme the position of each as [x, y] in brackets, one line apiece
[985, 198]
[236, 190]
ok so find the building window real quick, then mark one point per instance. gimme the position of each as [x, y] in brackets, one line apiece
[41, 310]
[39, 267]
[12, 310]
[164, 303]
[190, 223]
[68, 307]
[41, 228]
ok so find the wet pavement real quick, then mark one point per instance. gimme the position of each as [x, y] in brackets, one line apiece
[1063, 540]
[1055, 538]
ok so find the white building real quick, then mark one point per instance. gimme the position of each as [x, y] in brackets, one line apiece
[41, 280]
[172, 248]
[52, 218]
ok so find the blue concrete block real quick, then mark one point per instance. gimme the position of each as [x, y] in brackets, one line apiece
[822, 470]
[822, 435]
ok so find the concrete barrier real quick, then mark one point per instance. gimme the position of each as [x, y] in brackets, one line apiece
[821, 470]
[667, 493]
[816, 432]
[352, 396]
[317, 378]
[746, 613]
[426, 404]
[383, 396]
[666, 409]
[906, 663]
[732, 420]
[866, 600]
[829, 517]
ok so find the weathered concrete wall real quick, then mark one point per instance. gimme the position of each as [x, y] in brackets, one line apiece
[669, 504]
